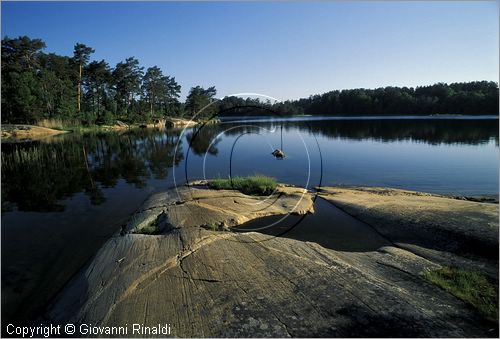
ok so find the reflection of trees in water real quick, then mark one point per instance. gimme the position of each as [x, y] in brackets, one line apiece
[429, 131]
[35, 176]
[200, 139]
[161, 154]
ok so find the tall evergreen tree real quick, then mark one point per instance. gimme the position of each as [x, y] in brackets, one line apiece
[127, 78]
[36, 85]
[81, 56]
[97, 82]
[57, 89]
[160, 91]
[198, 99]
[20, 86]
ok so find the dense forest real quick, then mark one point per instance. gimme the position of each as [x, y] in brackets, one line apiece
[38, 86]
[474, 98]
[469, 98]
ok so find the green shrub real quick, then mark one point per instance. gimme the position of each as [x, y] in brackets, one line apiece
[107, 118]
[212, 226]
[252, 185]
[150, 229]
[470, 286]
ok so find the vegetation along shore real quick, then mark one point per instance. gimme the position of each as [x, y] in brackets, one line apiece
[69, 92]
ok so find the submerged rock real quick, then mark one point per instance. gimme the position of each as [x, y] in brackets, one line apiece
[277, 153]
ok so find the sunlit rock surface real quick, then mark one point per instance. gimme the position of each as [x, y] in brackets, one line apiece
[445, 230]
[208, 283]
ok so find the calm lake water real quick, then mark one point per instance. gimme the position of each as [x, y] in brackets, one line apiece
[62, 198]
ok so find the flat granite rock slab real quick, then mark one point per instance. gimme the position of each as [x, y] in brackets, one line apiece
[443, 229]
[224, 284]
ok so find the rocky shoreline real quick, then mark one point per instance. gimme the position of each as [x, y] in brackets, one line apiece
[19, 133]
[193, 273]
[448, 231]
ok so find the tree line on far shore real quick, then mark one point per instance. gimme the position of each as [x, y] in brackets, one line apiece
[37, 86]
[466, 98]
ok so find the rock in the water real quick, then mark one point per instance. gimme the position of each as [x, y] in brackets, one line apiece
[278, 153]
[121, 123]
[176, 122]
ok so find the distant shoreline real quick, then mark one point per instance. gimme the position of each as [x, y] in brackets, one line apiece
[228, 118]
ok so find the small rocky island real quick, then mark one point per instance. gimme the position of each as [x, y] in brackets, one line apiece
[359, 269]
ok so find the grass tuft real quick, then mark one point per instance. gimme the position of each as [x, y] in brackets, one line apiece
[212, 226]
[470, 286]
[251, 185]
[150, 229]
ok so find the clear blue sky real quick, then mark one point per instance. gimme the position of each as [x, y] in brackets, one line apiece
[284, 50]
